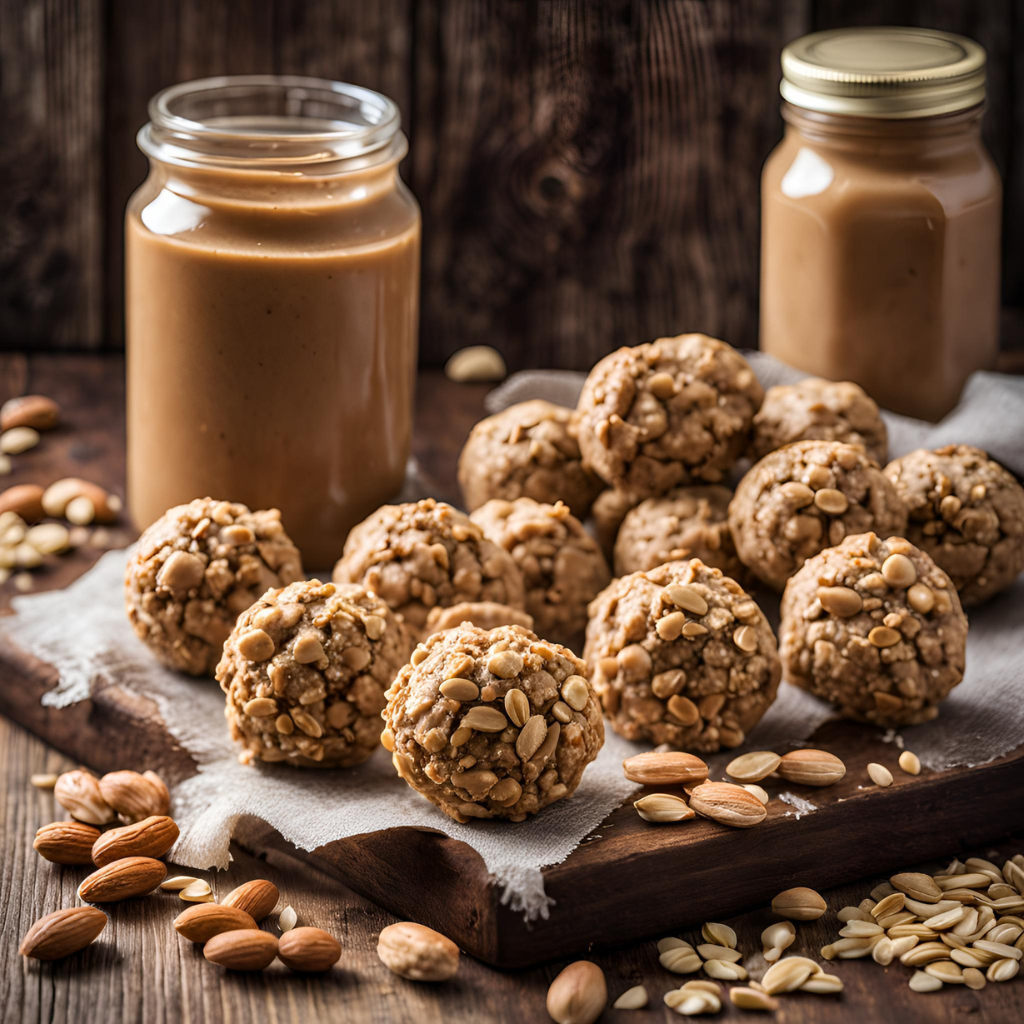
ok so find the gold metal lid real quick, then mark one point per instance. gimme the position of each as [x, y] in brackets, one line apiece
[884, 72]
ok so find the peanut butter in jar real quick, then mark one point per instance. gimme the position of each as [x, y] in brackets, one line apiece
[272, 292]
[881, 217]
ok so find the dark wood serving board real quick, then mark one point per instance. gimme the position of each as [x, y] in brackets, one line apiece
[629, 879]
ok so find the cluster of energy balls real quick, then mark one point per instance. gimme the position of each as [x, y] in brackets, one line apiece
[606, 570]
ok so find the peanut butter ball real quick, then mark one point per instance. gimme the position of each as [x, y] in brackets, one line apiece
[492, 723]
[681, 655]
[688, 522]
[819, 410]
[305, 670]
[806, 497]
[967, 512]
[875, 627]
[528, 450]
[195, 570]
[675, 411]
[562, 566]
[424, 555]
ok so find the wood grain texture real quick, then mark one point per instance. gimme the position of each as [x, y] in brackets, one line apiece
[52, 54]
[588, 170]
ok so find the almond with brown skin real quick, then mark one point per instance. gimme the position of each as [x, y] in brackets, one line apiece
[79, 793]
[257, 898]
[242, 950]
[308, 949]
[811, 768]
[657, 768]
[122, 879]
[35, 411]
[728, 804]
[151, 837]
[204, 920]
[66, 842]
[132, 795]
[417, 952]
[62, 933]
[24, 499]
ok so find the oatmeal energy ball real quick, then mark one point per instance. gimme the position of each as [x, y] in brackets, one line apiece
[527, 450]
[875, 627]
[681, 655]
[563, 568]
[967, 512]
[425, 555]
[492, 723]
[195, 570]
[675, 411]
[819, 410]
[806, 497]
[689, 522]
[305, 670]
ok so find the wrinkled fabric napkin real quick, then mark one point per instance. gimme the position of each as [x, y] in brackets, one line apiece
[83, 631]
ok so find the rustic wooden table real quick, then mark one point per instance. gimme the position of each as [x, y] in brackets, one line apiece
[141, 971]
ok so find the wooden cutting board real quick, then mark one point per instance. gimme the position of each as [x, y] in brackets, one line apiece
[628, 879]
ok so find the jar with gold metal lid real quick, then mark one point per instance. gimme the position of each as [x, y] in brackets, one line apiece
[881, 215]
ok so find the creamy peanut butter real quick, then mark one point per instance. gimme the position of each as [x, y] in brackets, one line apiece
[272, 303]
[881, 218]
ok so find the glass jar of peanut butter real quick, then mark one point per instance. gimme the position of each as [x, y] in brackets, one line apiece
[272, 293]
[881, 216]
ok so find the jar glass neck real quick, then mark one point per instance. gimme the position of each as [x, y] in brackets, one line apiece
[845, 131]
[272, 125]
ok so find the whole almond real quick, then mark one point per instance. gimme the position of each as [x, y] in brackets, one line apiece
[151, 837]
[62, 933]
[308, 949]
[134, 796]
[66, 842]
[26, 500]
[416, 952]
[917, 886]
[242, 950]
[79, 793]
[35, 411]
[204, 920]
[59, 495]
[257, 898]
[578, 995]
[799, 904]
[667, 768]
[811, 767]
[122, 879]
[728, 804]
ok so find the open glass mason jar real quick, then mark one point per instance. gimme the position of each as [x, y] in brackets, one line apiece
[272, 280]
[881, 216]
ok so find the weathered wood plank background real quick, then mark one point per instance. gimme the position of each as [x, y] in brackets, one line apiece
[588, 170]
